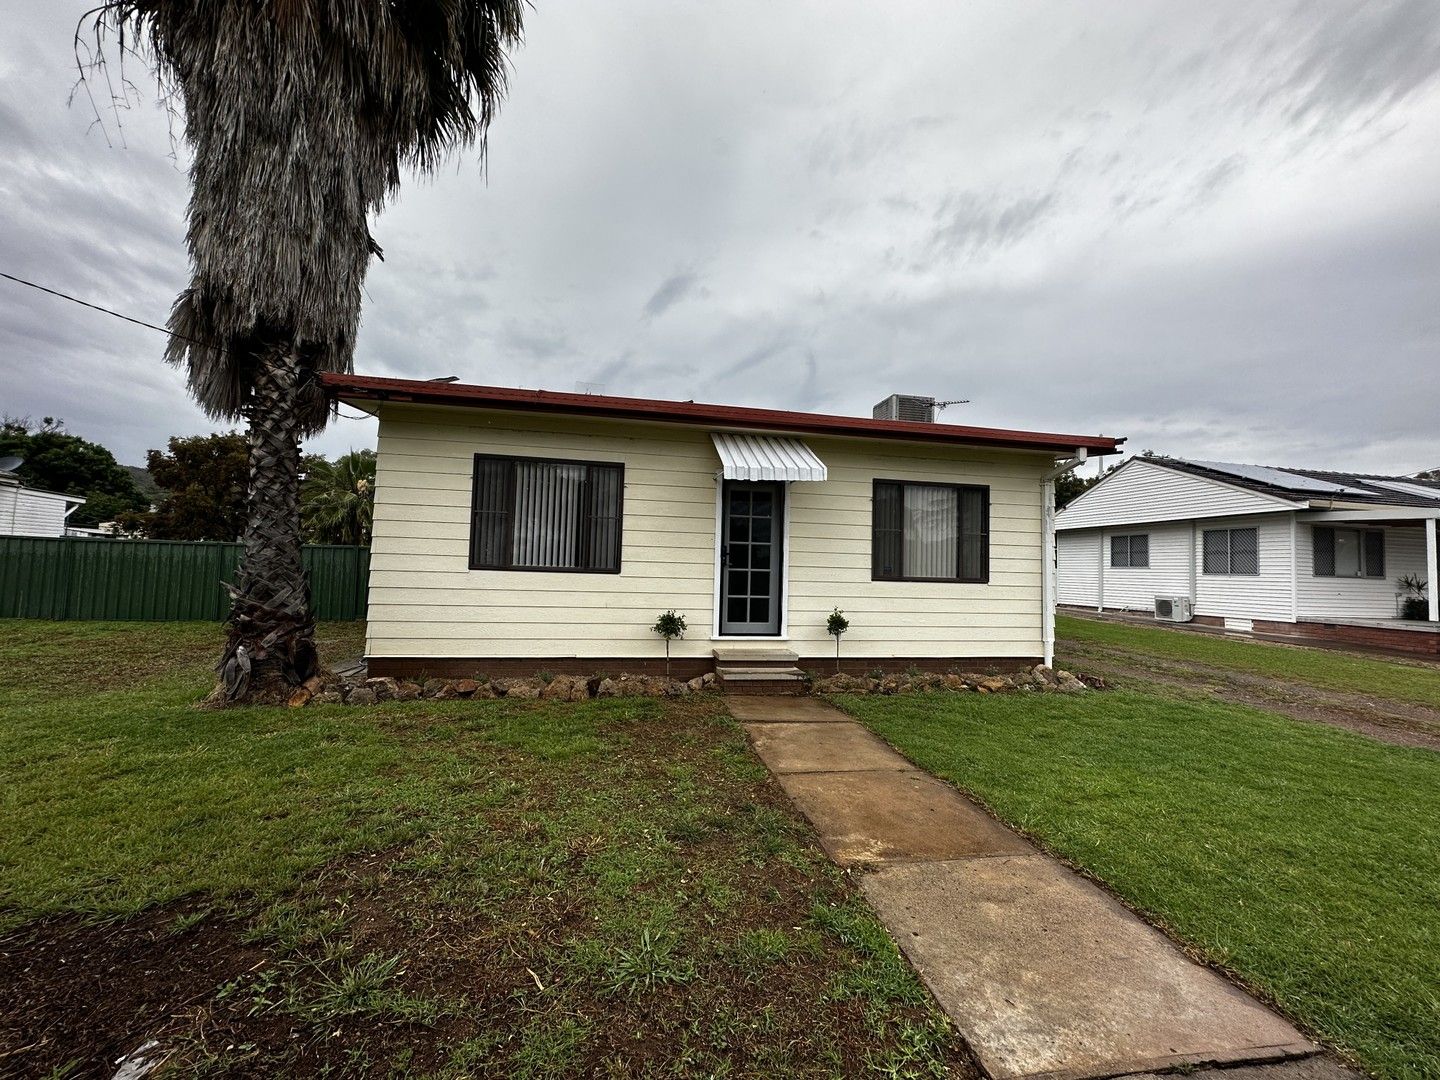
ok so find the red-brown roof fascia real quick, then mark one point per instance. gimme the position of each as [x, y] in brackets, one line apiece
[372, 388]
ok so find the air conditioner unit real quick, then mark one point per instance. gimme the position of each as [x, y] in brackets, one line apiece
[1173, 609]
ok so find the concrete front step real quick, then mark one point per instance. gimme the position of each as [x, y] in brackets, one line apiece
[753, 679]
[762, 656]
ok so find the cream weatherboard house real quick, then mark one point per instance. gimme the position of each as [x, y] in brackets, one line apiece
[520, 531]
[1296, 553]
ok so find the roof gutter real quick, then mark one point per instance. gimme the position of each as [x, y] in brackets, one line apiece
[1049, 585]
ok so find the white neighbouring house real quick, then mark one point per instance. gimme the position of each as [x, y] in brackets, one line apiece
[518, 531]
[1291, 552]
[27, 511]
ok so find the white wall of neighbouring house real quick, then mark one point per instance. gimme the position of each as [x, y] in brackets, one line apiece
[1077, 561]
[1143, 490]
[425, 601]
[1242, 597]
[26, 512]
[1177, 569]
[1358, 597]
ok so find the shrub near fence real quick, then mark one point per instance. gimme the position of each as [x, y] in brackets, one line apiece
[156, 580]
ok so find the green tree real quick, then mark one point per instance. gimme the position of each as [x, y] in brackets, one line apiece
[55, 460]
[300, 116]
[337, 499]
[202, 480]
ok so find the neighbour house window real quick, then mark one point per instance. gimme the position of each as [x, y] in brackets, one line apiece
[1132, 551]
[930, 532]
[1231, 551]
[1349, 552]
[536, 514]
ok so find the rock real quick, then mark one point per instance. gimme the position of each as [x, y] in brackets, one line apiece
[327, 697]
[1043, 674]
[955, 682]
[696, 684]
[484, 690]
[384, 688]
[890, 684]
[464, 687]
[842, 684]
[445, 691]
[432, 687]
[566, 688]
[994, 684]
[361, 695]
[1066, 683]
[300, 697]
[407, 691]
[709, 678]
[521, 689]
[607, 688]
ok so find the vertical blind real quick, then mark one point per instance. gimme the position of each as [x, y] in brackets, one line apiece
[1348, 552]
[545, 515]
[930, 531]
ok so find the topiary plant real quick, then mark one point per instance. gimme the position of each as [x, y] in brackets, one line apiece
[836, 625]
[669, 626]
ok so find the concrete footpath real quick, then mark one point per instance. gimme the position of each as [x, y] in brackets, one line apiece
[1046, 975]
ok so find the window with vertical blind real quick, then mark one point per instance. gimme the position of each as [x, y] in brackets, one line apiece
[539, 514]
[930, 532]
[1348, 552]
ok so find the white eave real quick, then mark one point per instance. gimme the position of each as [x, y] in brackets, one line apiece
[766, 457]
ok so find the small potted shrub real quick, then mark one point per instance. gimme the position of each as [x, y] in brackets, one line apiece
[669, 626]
[835, 626]
[1414, 599]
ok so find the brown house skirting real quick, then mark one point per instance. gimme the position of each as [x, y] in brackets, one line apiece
[500, 667]
[1418, 642]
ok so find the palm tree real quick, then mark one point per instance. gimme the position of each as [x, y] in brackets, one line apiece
[300, 116]
[337, 498]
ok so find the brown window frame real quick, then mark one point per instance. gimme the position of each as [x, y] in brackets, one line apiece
[983, 489]
[1364, 536]
[512, 460]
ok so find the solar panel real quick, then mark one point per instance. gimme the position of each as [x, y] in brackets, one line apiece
[1420, 490]
[1279, 478]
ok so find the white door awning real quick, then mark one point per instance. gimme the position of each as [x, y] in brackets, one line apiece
[766, 457]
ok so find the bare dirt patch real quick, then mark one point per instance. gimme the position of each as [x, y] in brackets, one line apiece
[1394, 722]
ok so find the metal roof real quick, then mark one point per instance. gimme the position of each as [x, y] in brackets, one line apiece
[766, 457]
[369, 388]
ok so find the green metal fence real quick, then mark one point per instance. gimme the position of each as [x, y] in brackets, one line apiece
[155, 580]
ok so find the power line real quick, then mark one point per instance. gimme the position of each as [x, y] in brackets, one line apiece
[137, 322]
[97, 307]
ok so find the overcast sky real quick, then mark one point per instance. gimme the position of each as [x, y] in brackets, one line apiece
[1212, 228]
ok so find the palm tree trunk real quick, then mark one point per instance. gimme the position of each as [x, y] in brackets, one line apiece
[271, 641]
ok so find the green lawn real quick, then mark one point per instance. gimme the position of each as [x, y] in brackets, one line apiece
[613, 888]
[1330, 669]
[1305, 859]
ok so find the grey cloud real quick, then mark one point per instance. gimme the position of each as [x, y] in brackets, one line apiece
[1210, 228]
[672, 290]
[1361, 59]
[969, 223]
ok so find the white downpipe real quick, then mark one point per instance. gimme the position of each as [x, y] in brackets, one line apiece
[1048, 585]
[1432, 569]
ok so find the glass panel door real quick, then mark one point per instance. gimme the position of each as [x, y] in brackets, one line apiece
[752, 524]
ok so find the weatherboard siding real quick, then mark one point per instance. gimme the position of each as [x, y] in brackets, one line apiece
[1358, 598]
[1142, 491]
[31, 513]
[1266, 595]
[1077, 560]
[426, 602]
